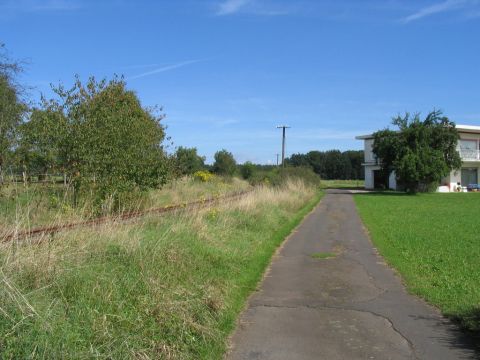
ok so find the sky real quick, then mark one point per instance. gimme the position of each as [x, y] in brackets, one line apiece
[227, 72]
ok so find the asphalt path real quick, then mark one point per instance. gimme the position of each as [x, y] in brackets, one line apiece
[350, 306]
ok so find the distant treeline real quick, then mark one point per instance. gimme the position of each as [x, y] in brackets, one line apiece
[331, 164]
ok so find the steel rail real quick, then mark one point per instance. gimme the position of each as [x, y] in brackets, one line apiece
[49, 230]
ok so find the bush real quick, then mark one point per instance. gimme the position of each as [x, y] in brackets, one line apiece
[278, 176]
[203, 176]
[225, 163]
[188, 161]
[247, 170]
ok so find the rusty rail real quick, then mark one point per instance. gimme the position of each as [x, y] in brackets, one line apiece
[49, 230]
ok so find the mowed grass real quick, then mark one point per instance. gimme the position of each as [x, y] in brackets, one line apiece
[433, 240]
[335, 184]
[167, 288]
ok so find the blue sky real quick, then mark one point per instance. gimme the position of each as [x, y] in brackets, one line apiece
[228, 71]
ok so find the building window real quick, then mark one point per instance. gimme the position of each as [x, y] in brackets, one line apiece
[469, 149]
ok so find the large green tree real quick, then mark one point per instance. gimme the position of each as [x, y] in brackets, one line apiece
[225, 163]
[12, 107]
[421, 152]
[101, 136]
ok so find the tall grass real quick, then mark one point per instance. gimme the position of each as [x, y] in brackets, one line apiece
[24, 207]
[168, 288]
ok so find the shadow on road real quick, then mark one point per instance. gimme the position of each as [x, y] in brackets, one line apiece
[457, 338]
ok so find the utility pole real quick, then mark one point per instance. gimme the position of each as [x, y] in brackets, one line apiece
[283, 127]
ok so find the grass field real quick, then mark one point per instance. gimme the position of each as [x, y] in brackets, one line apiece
[334, 184]
[433, 240]
[166, 288]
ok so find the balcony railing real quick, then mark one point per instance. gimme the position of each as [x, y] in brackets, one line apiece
[469, 155]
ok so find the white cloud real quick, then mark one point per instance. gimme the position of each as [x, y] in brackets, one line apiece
[448, 5]
[164, 69]
[229, 7]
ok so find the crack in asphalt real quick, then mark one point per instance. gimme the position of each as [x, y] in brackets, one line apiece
[343, 308]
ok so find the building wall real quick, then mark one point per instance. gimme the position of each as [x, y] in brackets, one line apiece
[369, 177]
[469, 136]
[456, 175]
[369, 156]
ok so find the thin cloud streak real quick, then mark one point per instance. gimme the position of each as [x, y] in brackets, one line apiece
[229, 7]
[445, 6]
[164, 69]
[252, 7]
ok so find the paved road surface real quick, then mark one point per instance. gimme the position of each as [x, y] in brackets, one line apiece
[348, 307]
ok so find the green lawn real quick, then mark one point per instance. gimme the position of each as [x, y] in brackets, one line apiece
[433, 240]
[167, 288]
[334, 184]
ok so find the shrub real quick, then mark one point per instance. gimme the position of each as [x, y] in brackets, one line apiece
[203, 176]
[225, 163]
[279, 176]
[188, 161]
[247, 170]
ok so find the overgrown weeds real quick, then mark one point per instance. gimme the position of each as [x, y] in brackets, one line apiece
[168, 288]
[24, 207]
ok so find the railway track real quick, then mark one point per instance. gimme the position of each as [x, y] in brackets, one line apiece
[132, 215]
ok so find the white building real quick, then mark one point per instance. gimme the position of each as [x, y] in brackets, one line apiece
[468, 147]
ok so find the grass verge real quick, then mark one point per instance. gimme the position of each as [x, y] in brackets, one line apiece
[336, 184]
[432, 240]
[169, 288]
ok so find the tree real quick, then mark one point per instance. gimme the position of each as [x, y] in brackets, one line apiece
[331, 164]
[356, 159]
[188, 161]
[247, 170]
[421, 153]
[225, 163]
[12, 107]
[42, 139]
[298, 160]
[108, 144]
